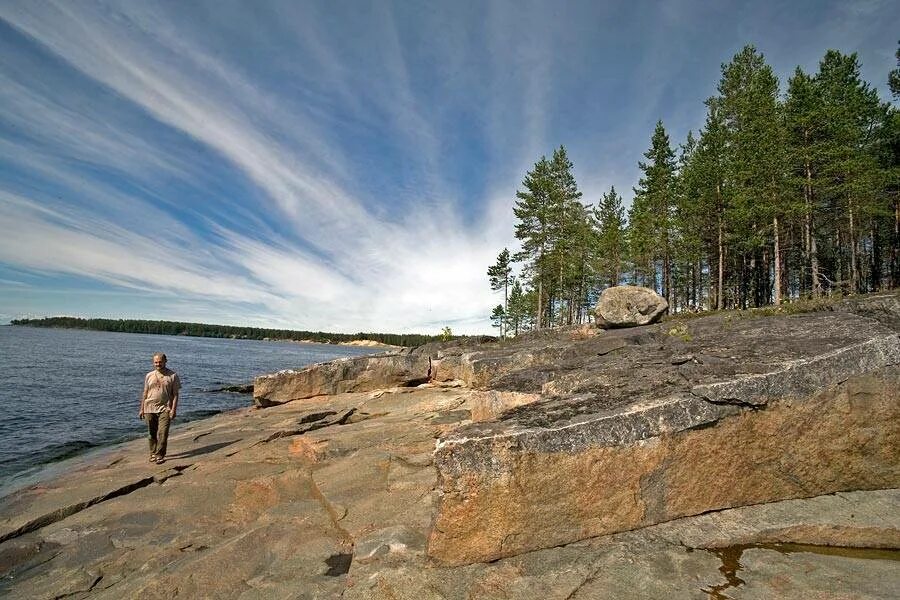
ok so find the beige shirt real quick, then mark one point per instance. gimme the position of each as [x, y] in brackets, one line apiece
[159, 390]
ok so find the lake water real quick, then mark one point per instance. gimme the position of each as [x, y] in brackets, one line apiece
[66, 391]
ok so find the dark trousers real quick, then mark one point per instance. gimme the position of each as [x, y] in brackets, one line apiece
[158, 428]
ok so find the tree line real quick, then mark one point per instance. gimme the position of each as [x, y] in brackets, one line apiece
[224, 331]
[781, 195]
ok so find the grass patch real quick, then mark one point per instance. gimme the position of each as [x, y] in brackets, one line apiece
[792, 307]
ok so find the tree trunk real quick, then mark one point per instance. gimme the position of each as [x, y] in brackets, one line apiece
[667, 277]
[854, 268]
[805, 280]
[839, 262]
[814, 266]
[876, 258]
[540, 307]
[548, 309]
[720, 292]
[895, 248]
[695, 269]
[809, 236]
[742, 289]
[756, 279]
[503, 324]
[618, 267]
[561, 294]
[777, 262]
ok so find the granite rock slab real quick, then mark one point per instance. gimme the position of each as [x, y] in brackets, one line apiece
[682, 418]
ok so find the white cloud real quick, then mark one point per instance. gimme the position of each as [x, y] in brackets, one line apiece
[317, 240]
[352, 270]
[48, 240]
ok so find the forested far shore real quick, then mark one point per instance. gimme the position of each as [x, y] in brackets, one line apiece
[786, 192]
[225, 331]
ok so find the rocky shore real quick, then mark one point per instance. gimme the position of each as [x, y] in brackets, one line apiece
[727, 456]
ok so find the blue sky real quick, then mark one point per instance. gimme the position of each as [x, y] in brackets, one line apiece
[340, 166]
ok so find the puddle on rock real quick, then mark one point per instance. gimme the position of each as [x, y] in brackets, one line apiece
[731, 560]
[731, 564]
[338, 564]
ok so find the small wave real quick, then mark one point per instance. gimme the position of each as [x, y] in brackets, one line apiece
[202, 414]
[66, 450]
[48, 454]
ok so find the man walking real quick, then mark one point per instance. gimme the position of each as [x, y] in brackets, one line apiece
[158, 405]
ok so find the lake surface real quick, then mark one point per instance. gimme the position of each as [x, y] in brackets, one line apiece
[66, 391]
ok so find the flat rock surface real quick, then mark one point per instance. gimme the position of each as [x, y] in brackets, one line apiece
[335, 498]
[628, 425]
[248, 504]
[615, 369]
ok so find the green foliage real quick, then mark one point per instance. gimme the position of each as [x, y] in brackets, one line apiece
[500, 272]
[556, 236]
[754, 145]
[521, 311]
[499, 275]
[498, 317]
[780, 197]
[446, 334]
[609, 219]
[650, 217]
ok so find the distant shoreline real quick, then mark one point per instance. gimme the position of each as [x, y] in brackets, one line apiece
[386, 340]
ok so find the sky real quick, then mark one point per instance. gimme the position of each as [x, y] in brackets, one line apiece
[341, 166]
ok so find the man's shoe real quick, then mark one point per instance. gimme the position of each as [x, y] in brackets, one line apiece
[160, 460]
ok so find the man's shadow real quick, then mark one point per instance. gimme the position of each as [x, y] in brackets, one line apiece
[203, 449]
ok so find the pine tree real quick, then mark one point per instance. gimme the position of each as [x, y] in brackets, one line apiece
[552, 225]
[852, 117]
[639, 242]
[498, 318]
[774, 200]
[521, 307]
[651, 216]
[499, 276]
[805, 135]
[756, 164]
[578, 268]
[690, 221]
[569, 225]
[609, 219]
[708, 171]
[890, 161]
[534, 209]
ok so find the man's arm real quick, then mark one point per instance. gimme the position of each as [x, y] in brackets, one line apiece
[174, 405]
[143, 397]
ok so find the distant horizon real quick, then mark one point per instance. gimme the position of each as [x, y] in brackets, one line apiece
[224, 325]
[320, 167]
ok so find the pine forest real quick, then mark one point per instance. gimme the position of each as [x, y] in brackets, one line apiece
[785, 193]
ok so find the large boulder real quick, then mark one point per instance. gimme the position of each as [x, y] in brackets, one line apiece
[629, 306]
